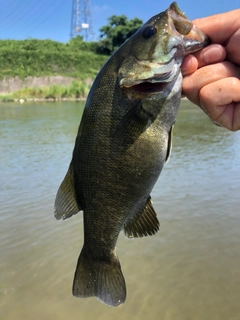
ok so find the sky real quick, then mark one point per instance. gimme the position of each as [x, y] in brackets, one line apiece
[51, 19]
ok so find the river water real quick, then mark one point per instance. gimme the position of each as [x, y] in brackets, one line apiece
[190, 270]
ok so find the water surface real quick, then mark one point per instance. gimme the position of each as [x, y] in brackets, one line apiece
[189, 270]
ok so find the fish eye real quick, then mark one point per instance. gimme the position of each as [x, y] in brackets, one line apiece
[149, 32]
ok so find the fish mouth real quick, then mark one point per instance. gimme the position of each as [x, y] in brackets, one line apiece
[161, 77]
[159, 82]
[148, 88]
[176, 37]
[180, 26]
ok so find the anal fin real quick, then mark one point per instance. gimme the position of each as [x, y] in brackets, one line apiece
[143, 224]
[66, 204]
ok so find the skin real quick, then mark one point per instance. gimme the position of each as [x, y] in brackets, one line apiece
[211, 77]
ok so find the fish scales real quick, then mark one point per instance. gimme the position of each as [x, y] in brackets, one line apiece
[123, 142]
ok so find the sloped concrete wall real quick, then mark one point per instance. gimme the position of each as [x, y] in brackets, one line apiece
[10, 85]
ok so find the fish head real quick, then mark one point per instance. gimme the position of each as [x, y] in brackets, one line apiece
[157, 49]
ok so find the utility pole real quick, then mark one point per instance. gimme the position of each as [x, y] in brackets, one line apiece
[81, 22]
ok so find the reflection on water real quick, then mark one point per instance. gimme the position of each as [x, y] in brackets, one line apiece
[190, 270]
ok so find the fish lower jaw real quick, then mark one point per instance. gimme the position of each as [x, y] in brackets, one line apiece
[154, 85]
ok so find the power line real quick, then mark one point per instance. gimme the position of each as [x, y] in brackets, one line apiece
[34, 11]
[17, 10]
[48, 16]
[8, 10]
[38, 13]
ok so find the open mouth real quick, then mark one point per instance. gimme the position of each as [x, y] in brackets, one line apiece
[153, 85]
[149, 88]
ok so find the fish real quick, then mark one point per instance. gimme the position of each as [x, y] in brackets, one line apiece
[123, 141]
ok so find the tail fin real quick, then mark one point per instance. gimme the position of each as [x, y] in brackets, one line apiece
[103, 279]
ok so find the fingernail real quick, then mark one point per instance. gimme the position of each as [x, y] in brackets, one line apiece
[189, 65]
[186, 65]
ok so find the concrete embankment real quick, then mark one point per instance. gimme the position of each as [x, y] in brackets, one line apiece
[10, 85]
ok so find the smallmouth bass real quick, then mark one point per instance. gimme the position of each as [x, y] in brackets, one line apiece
[123, 142]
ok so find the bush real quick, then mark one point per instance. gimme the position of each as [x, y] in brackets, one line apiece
[46, 57]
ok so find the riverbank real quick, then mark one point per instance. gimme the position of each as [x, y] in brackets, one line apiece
[52, 88]
[48, 70]
[22, 100]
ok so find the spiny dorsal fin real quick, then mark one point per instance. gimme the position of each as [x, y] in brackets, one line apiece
[143, 224]
[65, 204]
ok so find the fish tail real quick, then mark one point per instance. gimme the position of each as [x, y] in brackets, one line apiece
[103, 279]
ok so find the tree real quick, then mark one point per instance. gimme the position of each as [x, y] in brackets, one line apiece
[117, 32]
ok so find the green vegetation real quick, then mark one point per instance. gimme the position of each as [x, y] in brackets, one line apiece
[116, 32]
[77, 90]
[77, 59]
[34, 57]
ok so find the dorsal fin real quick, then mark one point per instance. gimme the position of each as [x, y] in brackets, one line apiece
[143, 224]
[66, 204]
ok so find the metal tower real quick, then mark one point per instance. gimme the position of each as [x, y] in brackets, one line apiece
[81, 22]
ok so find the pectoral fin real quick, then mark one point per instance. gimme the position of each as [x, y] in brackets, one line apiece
[169, 148]
[143, 224]
[65, 204]
[132, 125]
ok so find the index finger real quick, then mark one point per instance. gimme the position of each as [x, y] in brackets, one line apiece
[220, 27]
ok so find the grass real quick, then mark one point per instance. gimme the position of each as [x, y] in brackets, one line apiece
[33, 57]
[76, 90]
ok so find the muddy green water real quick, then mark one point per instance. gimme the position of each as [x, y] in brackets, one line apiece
[190, 270]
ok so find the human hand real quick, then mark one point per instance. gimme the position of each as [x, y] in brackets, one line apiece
[211, 77]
